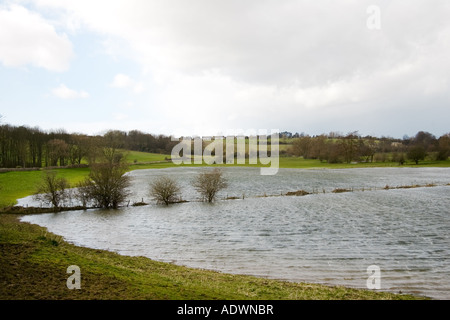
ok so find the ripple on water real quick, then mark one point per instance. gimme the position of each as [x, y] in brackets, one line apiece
[325, 238]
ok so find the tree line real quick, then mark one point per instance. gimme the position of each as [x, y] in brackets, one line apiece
[335, 148]
[25, 147]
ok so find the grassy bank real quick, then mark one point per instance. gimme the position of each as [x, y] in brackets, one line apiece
[33, 264]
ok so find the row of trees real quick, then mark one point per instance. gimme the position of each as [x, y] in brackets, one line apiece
[166, 190]
[107, 187]
[26, 147]
[353, 147]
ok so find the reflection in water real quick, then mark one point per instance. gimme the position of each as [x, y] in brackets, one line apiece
[325, 237]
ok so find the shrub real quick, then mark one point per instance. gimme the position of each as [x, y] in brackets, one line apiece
[52, 189]
[106, 185]
[208, 184]
[165, 190]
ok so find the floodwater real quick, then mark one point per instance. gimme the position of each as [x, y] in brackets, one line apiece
[323, 237]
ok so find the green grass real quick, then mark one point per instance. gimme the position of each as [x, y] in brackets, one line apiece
[18, 184]
[33, 264]
[136, 156]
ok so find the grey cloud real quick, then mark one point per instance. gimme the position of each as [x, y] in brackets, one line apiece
[323, 63]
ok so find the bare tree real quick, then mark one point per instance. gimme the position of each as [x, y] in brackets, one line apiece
[165, 190]
[416, 153]
[82, 192]
[208, 184]
[57, 149]
[302, 146]
[112, 144]
[349, 146]
[52, 189]
[106, 185]
[398, 157]
[443, 147]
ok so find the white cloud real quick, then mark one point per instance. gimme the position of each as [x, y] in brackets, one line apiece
[121, 81]
[269, 63]
[28, 39]
[303, 42]
[124, 81]
[120, 116]
[65, 93]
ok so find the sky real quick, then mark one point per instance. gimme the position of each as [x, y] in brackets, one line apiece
[210, 67]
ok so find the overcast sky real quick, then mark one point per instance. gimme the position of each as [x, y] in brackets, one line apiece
[213, 66]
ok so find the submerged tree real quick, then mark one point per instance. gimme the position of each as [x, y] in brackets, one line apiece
[208, 184]
[164, 190]
[106, 186]
[82, 193]
[52, 189]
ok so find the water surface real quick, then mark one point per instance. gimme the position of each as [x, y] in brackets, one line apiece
[324, 237]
